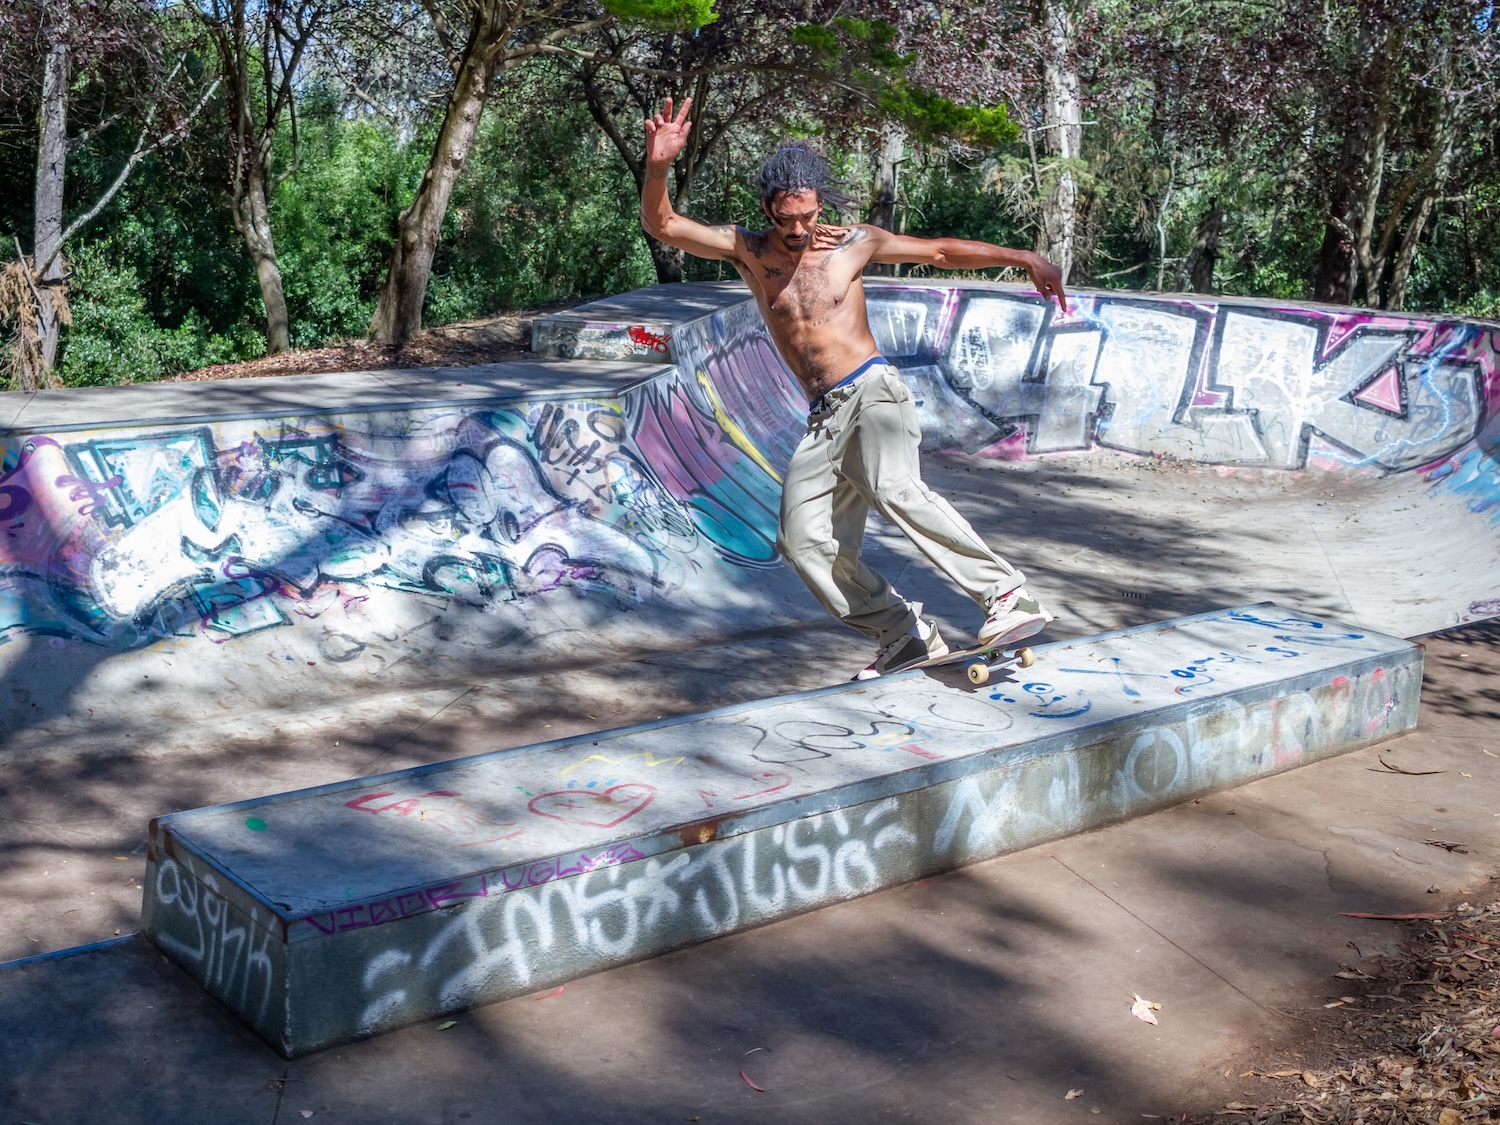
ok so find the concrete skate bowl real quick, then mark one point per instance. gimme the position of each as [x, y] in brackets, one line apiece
[1382, 429]
[246, 548]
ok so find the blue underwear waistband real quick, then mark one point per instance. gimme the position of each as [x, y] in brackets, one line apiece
[874, 361]
[858, 371]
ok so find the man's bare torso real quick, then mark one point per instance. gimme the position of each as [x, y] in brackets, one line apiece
[813, 302]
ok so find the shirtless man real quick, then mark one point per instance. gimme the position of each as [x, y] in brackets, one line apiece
[860, 449]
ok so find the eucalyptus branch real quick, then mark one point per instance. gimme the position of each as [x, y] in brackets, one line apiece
[142, 150]
[444, 36]
[1342, 227]
[30, 274]
[89, 134]
[606, 121]
[288, 174]
[790, 69]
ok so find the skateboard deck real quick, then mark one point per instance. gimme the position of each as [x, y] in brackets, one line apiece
[980, 660]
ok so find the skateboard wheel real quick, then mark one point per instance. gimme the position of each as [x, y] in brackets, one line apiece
[1026, 657]
[979, 672]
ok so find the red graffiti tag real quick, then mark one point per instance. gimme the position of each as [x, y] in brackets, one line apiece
[779, 781]
[644, 337]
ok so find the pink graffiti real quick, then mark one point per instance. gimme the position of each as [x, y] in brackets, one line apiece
[546, 870]
[442, 809]
[779, 782]
[604, 809]
[366, 914]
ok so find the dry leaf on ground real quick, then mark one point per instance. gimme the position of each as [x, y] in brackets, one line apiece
[1143, 1009]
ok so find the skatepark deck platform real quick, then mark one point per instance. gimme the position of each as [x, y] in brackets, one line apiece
[332, 913]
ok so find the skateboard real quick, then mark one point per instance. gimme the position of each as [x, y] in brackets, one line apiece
[981, 659]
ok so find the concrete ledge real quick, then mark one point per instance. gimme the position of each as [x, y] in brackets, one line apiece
[337, 912]
[640, 326]
[341, 392]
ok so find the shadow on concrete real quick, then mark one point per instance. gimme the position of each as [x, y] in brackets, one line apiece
[1466, 694]
[982, 996]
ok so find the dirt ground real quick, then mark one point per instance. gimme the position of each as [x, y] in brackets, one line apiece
[1414, 1039]
[494, 339]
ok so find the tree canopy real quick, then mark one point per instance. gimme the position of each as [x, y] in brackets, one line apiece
[244, 177]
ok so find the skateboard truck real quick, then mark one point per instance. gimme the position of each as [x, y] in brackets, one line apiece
[978, 669]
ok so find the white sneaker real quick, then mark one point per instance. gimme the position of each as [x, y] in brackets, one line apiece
[921, 643]
[1013, 617]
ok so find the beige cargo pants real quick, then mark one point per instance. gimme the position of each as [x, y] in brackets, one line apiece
[860, 452]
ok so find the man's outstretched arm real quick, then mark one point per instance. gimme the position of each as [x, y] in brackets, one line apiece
[961, 254]
[665, 136]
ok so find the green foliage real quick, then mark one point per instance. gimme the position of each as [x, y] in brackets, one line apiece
[543, 210]
[929, 117]
[334, 221]
[115, 339]
[819, 38]
[680, 14]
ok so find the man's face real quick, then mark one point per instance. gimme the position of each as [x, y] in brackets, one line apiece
[794, 216]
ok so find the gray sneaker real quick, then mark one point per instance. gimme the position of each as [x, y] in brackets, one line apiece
[1013, 617]
[922, 643]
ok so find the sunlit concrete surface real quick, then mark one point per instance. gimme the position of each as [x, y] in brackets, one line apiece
[978, 998]
[225, 555]
[333, 913]
[892, 1009]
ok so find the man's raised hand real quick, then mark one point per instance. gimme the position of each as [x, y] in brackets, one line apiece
[665, 134]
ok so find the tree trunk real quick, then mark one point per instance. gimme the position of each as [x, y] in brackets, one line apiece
[398, 315]
[666, 259]
[1062, 138]
[51, 165]
[883, 205]
[1205, 253]
[1338, 257]
[1373, 171]
[1395, 295]
[252, 218]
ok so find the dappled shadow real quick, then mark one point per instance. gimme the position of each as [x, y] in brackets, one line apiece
[1108, 545]
[1461, 678]
[981, 996]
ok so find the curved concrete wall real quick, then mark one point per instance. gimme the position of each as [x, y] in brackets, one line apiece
[259, 550]
[1231, 385]
[1218, 382]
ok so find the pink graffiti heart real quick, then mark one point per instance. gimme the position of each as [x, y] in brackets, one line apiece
[595, 810]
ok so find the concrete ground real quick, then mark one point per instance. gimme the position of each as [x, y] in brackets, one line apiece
[1108, 544]
[985, 995]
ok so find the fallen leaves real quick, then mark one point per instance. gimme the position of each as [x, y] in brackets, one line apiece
[1143, 1009]
[1421, 1044]
[446, 1024]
